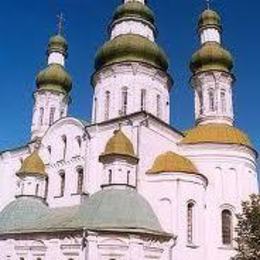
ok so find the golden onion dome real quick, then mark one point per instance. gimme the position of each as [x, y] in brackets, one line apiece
[172, 162]
[216, 133]
[32, 165]
[119, 144]
[134, 9]
[211, 56]
[59, 44]
[54, 78]
[209, 18]
[131, 47]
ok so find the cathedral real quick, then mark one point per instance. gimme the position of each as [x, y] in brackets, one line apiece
[127, 185]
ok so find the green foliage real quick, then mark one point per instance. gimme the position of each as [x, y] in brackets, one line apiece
[248, 230]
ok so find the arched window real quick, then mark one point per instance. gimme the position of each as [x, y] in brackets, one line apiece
[80, 183]
[64, 140]
[37, 190]
[128, 177]
[190, 223]
[95, 109]
[52, 114]
[41, 116]
[62, 113]
[124, 101]
[211, 100]
[109, 176]
[79, 141]
[201, 104]
[62, 183]
[226, 219]
[158, 106]
[143, 99]
[107, 105]
[223, 101]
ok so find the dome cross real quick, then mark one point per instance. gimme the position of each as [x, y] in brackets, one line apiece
[60, 25]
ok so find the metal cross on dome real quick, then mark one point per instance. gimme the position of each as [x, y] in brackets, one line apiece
[208, 2]
[61, 21]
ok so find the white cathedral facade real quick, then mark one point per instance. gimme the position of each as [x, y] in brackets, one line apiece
[127, 185]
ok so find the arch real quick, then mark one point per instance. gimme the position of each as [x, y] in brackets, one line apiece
[223, 101]
[52, 115]
[107, 104]
[124, 100]
[41, 116]
[158, 105]
[226, 226]
[190, 221]
[80, 179]
[211, 94]
[143, 99]
[64, 151]
[62, 182]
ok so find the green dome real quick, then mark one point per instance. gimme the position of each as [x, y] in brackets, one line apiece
[209, 18]
[21, 214]
[131, 47]
[211, 56]
[118, 210]
[58, 43]
[54, 78]
[134, 9]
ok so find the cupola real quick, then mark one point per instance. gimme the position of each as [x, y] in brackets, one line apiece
[32, 177]
[171, 162]
[119, 160]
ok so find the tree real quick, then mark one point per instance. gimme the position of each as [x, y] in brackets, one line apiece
[248, 230]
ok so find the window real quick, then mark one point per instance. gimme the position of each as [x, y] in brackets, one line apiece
[52, 114]
[211, 100]
[223, 101]
[109, 176]
[158, 106]
[107, 105]
[62, 183]
[190, 224]
[124, 101]
[64, 140]
[226, 219]
[96, 109]
[143, 99]
[128, 177]
[62, 113]
[41, 115]
[200, 96]
[37, 190]
[80, 180]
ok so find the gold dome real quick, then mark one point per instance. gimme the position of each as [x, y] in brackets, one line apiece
[32, 165]
[172, 162]
[119, 144]
[209, 18]
[216, 133]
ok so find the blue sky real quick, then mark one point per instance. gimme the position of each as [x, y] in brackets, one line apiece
[25, 27]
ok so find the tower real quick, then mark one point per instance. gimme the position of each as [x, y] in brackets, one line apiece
[130, 68]
[32, 177]
[212, 78]
[53, 87]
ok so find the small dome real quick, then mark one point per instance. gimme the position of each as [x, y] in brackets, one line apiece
[54, 78]
[209, 18]
[134, 9]
[119, 144]
[58, 43]
[21, 214]
[172, 162]
[211, 56]
[119, 210]
[216, 133]
[131, 47]
[32, 165]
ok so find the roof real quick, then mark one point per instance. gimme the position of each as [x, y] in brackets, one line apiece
[119, 144]
[32, 165]
[131, 47]
[106, 210]
[172, 162]
[216, 133]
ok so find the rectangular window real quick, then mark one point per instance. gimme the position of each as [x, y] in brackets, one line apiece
[143, 100]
